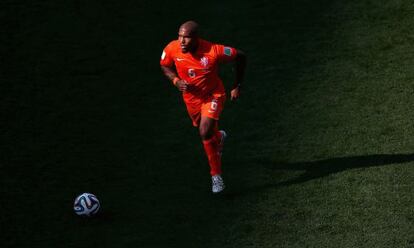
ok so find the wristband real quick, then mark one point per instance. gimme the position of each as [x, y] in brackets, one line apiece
[175, 80]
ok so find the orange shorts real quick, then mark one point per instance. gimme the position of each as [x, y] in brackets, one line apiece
[209, 107]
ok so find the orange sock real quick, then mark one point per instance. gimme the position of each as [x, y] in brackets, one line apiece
[214, 160]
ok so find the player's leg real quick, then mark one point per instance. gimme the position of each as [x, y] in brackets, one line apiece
[210, 143]
[200, 114]
[211, 138]
[209, 133]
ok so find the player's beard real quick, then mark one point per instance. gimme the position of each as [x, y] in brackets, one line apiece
[190, 47]
[184, 49]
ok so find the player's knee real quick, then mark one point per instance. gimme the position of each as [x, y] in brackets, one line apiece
[205, 132]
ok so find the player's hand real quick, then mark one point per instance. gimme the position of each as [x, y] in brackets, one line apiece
[182, 85]
[235, 93]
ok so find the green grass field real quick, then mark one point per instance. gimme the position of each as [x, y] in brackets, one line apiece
[320, 149]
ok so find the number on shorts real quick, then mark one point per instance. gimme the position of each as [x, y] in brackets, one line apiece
[214, 104]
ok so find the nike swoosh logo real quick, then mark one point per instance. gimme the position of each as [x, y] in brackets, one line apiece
[180, 59]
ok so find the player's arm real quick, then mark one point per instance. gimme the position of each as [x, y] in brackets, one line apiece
[240, 63]
[171, 74]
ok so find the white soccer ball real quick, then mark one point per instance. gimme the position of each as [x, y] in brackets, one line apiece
[86, 204]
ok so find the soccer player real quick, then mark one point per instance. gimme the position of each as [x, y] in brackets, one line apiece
[191, 64]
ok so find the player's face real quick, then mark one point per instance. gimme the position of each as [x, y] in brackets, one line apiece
[188, 41]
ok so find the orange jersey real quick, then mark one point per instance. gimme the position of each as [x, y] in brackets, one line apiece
[199, 69]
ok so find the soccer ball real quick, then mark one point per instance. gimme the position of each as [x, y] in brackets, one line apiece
[86, 204]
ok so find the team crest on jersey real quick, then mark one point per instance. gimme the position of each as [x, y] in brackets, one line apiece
[204, 61]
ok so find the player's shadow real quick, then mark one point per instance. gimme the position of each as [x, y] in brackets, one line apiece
[322, 168]
[325, 167]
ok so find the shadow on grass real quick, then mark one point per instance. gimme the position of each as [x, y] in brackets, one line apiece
[322, 168]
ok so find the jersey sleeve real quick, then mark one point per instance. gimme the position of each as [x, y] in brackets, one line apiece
[225, 53]
[166, 56]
